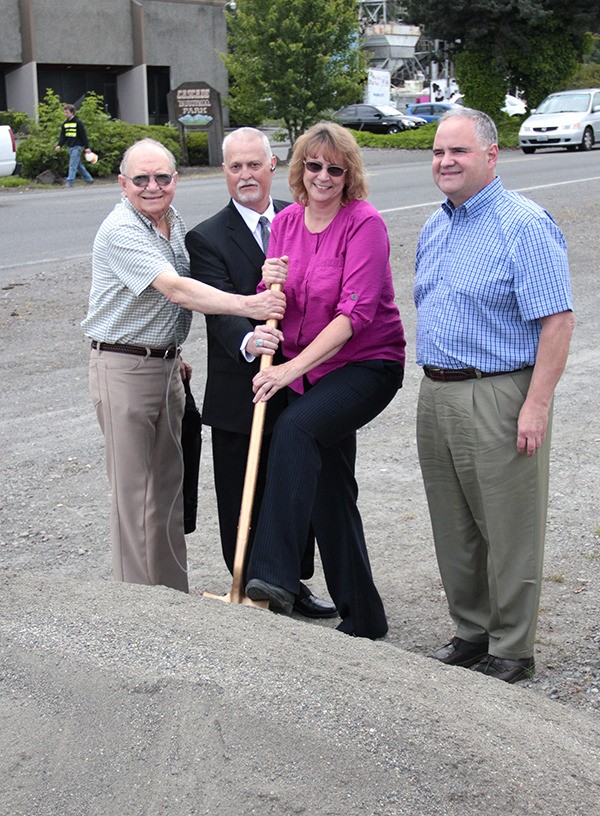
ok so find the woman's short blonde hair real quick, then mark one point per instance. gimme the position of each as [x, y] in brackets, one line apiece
[337, 146]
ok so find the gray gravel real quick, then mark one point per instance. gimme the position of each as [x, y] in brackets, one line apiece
[118, 699]
[121, 700]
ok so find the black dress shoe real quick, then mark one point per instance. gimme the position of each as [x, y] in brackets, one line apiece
[310, 606]
[460, 652]
[511, 671]
[280, 600]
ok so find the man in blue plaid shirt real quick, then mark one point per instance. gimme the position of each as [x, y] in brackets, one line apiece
[494, 326]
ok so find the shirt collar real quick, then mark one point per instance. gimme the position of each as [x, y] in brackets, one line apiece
[171, 214]
[251, 216]
[474, 205]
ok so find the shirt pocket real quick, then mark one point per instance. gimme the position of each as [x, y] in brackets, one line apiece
[322, 293]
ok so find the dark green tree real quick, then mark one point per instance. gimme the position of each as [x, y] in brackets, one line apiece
[544, 63]
[587, 74]
[533, 44]
[480, 80]
[292, 60]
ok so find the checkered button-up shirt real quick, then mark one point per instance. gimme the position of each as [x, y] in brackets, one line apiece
[129, 253]
[486, 273]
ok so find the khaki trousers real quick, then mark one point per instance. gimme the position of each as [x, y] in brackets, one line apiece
[488, 507]
[139, 402]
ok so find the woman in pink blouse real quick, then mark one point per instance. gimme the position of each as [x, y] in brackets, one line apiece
[344, 347]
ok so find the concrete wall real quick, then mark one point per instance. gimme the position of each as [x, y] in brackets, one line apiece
[21, 89]
[133, 91]
[83, 33]
[189, 41]
[183, 35]
[10, 28]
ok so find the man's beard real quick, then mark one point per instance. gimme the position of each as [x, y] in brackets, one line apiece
[248, 192]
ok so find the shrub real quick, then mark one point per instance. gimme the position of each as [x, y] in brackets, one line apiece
[36, 154]
[508, 129]
[107, 137]
[480, 74]
[422, 138]
[417, 139]
[19, 122]
[197, 147]
[116, 136]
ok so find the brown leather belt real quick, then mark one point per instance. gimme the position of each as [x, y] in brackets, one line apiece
[139, 351]
[460, 374]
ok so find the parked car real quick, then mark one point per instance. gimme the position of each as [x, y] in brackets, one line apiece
[375, 118]
[430, 111]
[417, 120]
[568, 119]
[514, 106]
[8, 151]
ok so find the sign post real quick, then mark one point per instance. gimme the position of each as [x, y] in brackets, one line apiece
[197, 106]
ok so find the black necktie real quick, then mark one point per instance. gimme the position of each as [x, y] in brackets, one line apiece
[265, 232]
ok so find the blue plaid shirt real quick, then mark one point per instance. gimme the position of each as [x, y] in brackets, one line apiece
[486, 272]
[129, 253]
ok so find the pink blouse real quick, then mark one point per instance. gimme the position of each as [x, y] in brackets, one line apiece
[344, 270]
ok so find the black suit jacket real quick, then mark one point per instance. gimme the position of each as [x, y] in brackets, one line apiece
[224, 253]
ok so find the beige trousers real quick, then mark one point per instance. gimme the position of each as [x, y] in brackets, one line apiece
[139, 402]
[488, 507]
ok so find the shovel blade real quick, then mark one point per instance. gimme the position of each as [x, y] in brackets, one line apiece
[239, 599]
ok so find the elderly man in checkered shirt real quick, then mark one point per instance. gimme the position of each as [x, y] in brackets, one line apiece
[140, 311]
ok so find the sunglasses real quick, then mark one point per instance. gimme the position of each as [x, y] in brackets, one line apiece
[162, 179]
[332, 170]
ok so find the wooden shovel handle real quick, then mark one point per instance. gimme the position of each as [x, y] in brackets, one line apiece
[254, 448]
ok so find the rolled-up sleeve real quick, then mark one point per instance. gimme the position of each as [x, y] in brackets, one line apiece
[366, 269]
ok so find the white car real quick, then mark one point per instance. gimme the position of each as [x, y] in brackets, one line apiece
[568, 119]
[8, 151]
[514, 106]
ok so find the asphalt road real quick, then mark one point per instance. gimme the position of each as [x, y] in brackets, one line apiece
[46, 227]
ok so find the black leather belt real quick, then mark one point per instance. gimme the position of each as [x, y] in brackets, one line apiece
[139, 351]
[460, 374]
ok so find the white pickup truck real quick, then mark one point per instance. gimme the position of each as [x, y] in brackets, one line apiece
[8, 151]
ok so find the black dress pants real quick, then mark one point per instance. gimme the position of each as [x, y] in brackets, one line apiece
[230, 453]
[310, 475]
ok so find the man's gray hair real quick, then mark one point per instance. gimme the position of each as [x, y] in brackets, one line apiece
[247, 133]
[485, 129]
[147, 143]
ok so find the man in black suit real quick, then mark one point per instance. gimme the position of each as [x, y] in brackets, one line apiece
[227, 251]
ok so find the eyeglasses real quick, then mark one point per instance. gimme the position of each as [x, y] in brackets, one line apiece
[162, 179]
[333, 170]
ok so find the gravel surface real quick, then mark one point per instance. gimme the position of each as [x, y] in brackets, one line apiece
[120, 699]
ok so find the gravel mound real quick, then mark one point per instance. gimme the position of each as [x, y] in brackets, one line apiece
[120, 699]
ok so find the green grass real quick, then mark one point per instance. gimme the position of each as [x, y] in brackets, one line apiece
[15, 181]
